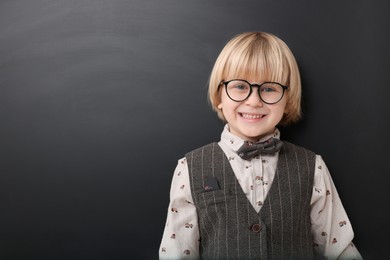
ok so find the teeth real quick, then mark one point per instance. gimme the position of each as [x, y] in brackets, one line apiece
[251, 116]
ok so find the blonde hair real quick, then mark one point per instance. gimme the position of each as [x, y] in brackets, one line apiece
[262, 56]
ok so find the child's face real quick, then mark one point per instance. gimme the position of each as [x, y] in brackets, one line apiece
[252, 119]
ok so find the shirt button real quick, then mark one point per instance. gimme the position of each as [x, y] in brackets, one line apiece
[256, 228]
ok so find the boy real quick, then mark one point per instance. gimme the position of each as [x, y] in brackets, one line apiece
[252, 196]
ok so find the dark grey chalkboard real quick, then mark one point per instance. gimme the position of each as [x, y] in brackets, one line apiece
[100, 98]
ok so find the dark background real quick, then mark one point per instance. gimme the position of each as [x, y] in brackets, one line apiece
[100, 98]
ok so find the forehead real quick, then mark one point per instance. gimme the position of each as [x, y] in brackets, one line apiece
[254, 72]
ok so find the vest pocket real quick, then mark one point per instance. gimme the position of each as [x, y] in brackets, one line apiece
[213, 198]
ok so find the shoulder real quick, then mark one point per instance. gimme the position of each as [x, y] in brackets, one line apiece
[201, 149]
[289, 145]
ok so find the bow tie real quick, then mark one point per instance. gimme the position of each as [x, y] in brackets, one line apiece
[249, 149]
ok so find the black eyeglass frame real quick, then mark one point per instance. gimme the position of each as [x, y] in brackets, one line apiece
[225, 83]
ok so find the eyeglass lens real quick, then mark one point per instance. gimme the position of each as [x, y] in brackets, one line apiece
[269, 92]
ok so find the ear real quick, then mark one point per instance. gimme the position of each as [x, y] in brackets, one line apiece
[287, 107]
[219, 106]
[286, 110]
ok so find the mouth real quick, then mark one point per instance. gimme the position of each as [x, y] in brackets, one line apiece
[251, 116]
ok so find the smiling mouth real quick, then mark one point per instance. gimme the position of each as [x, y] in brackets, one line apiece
[251, 116]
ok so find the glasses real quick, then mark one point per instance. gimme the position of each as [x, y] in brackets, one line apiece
[239, 90]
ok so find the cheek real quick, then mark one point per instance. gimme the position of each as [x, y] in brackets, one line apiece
[278, 110]
[228, 107]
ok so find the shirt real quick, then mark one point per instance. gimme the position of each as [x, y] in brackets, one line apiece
[332, 232]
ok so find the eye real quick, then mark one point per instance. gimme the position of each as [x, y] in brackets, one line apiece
[238, 86]
[270, 88]
[267, 89]
[241, 86]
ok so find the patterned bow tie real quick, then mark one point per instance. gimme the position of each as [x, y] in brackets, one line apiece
[249, 149]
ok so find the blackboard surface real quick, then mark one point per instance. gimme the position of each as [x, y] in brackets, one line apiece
[99, 99]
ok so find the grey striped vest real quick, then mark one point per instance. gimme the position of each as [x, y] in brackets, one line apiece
[229, 226]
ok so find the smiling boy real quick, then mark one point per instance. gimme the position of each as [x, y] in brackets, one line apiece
[251, 195]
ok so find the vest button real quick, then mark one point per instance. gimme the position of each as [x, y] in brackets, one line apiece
[256, 228]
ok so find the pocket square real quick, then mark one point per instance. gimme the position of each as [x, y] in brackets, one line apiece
[211, 185]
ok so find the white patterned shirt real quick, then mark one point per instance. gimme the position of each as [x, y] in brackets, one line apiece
[332, 232]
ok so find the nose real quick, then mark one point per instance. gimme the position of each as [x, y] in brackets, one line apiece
[254, 98]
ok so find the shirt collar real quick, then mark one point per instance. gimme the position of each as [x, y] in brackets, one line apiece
[234, 142]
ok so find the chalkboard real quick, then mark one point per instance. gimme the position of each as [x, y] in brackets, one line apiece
[99, 99]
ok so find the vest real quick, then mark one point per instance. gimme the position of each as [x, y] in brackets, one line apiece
[229, 226]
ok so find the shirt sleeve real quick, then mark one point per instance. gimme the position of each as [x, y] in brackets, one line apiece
[181, 234]
[331, 229]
